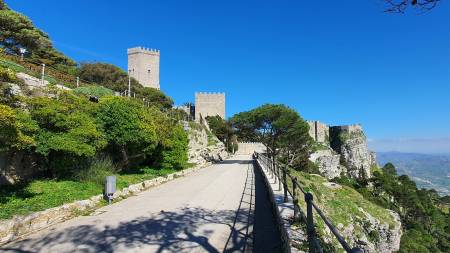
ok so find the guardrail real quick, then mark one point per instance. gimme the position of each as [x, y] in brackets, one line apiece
[281, 175]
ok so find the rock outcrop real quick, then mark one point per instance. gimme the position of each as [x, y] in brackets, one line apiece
[343, 151]
[203, 146]
[350, 142]
[328, 163]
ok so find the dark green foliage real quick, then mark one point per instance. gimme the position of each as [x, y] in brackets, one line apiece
[18, 31]
[426, 225]
[114, 78]
[107, 75]
[128, 127]
[155, 97]
[173, 152]
[223, 130]
[279, 128]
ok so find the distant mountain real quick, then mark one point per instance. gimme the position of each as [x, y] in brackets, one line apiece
[428, 171]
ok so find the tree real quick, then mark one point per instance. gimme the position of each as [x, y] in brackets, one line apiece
[17, 129]
[278, 127]
[389, 168]
[107, 75]
[400, 6]
[173, 153]
[19, 32]
[223, 130]
[128, 127]
[68, 133]
[155, 98]
[114, 78]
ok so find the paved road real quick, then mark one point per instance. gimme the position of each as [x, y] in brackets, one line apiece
[211, 210]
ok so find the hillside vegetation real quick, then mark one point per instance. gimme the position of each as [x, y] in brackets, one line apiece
[57, 145]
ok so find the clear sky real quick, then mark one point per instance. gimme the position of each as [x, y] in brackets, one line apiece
[339, 62]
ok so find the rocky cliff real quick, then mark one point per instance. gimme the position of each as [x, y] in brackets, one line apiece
[342, 150]
[361, 222]
[203, 145]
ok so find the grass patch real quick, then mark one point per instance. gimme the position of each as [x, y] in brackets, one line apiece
[212, 141]
[43, 194]
[340, 204]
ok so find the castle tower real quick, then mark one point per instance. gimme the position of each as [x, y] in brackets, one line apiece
[209, 104]
[143, 65]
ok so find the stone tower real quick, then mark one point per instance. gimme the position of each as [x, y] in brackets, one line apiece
[209, 104]
[143, 65]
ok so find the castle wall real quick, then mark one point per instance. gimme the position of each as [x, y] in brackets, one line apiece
[143, 65]
[319, 131]
[248, 148]
[209, 104]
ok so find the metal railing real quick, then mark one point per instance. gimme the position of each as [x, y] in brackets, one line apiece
[281, 175]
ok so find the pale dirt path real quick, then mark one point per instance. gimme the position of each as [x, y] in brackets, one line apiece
[210, 210]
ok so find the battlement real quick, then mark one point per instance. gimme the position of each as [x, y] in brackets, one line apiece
[143, 50]
[209, 104]
[210, 93]
[354, 128]
[143, 65]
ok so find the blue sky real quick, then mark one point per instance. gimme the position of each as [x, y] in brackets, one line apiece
[339, 62]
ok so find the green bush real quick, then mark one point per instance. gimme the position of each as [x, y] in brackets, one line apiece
[173, 154]
[7, 75]
[96, 91]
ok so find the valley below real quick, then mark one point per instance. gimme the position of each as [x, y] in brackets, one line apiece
[427, 170]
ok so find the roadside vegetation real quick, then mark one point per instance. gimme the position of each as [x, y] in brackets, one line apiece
[61, 144]
[423, 212]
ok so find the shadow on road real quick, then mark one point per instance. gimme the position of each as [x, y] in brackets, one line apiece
[188, 229]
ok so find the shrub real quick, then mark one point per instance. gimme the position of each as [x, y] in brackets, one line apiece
[16, 129]
[7, 75]
[128, 126]
[173, 153]
[97, 91]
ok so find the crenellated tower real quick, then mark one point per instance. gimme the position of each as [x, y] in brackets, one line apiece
[143, 65]
[209, 104]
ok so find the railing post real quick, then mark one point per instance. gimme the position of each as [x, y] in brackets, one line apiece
[274, 170]
[295, 199]
[279, 176]
[285, 186]
[310, 222]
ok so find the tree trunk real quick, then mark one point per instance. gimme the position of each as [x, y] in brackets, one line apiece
[125, 161]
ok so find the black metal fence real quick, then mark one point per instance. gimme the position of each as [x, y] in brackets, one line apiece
[281, 176]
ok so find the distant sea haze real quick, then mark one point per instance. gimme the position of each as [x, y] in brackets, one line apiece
[419, 145]
[430, 171]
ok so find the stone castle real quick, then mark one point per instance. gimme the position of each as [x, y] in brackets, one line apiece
[143, 65]
[209, 104]
[343, 150]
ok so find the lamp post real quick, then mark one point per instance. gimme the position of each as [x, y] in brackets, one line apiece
[22, 52]
[129, 83]
[43, 73]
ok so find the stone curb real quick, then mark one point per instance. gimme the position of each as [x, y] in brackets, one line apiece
[284, 212]
[19, 226]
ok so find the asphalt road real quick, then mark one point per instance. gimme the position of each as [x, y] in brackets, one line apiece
[211, 210]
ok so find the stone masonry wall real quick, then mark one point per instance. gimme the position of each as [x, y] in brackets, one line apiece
[209, 104]
[319, 131]
[143, 65]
